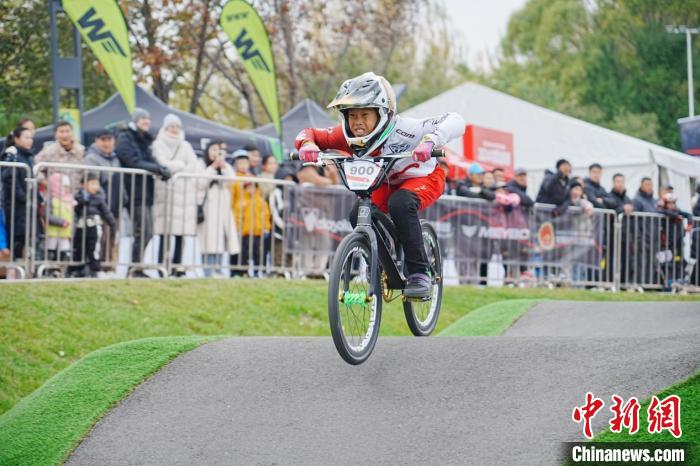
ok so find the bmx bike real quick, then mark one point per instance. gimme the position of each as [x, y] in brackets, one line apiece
[367, 266]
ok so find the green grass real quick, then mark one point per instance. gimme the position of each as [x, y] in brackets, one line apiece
[689, 392]
[48, 424]
[44, 327]
[490, 320]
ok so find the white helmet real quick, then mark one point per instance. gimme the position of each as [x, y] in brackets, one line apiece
[367, 91]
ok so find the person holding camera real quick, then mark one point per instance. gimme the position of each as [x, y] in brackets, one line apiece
[216, 230]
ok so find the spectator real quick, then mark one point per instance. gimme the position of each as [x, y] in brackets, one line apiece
[555, 187]
[450, 184]
[216, 231]
[255, 158]
[617, 198]
[576, 199]
[270, 166]
[171, 150]
[644, 200]
[319, 176]
[18, 148]
[473, 186]
[696, 209]
[91, 211]
[4, 247]
[518, 185]
[26, 123]
[670, 256]
[252, 216]
[134, 151]
[505, 198]
[101, 154]
[594, 192]
[59, 217]
[489, 181]
[64, 150]
[499, 175]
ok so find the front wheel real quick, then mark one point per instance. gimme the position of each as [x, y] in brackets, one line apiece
[354, 315]
[422, 316]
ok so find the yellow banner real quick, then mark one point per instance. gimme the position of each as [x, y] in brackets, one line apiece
[102, 26]
[246, 30]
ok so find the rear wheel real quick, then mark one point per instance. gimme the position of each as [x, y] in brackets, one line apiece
[422, 316]
[354, 315]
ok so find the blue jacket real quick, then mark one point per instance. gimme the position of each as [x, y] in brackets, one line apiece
[3, 232]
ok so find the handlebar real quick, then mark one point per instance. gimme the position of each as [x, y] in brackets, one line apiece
[436, 152]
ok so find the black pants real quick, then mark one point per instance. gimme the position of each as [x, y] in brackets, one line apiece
[89, 253]
[250, 249]
[177, 254]
[403, 208]
[18, 247]
[143, 231]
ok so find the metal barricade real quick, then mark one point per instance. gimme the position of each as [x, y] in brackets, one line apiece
[658, 252]
[240, 229]
[71, 231]
[16, 218]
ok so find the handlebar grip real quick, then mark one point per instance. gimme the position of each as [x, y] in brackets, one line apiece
[294, 156]
[437, 152]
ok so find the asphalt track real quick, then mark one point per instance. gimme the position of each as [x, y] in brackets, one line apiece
[479, 400]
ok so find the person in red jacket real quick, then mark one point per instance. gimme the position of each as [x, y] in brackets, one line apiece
[370, 126]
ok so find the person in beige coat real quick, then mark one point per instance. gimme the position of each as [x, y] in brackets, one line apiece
[177, 215]
[217, 233]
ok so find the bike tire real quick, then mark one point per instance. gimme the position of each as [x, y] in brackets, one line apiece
[422, 317]
[343, 317]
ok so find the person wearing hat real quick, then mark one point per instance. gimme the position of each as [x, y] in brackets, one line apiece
[555, 186]
[251, 214]
[473, 185]
[575, 198]
[91, 215]
[101, 154]
[518, 185]
[134, 151]
[175, 215]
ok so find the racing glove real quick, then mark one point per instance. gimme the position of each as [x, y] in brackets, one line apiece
[308, 153]
[422, 152]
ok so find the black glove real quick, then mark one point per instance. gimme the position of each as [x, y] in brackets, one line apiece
[164, 173]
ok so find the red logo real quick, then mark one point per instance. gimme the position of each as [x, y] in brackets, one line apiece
[545, 236]
[587, 412]
[665, 415]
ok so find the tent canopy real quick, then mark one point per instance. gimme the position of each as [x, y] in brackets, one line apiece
[305, 114]
[198, 131]
[542, 136]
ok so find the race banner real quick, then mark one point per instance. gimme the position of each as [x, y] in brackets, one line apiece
[478, 239]
[102, 25]
[247, 32]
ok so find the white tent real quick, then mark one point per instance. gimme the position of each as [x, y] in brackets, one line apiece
[542, 136]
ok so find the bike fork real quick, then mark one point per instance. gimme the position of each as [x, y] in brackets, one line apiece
[364, 226]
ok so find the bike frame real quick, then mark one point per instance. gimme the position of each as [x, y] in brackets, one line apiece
[366, 223]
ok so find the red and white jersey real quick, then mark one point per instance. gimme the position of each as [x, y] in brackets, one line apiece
[405, 135]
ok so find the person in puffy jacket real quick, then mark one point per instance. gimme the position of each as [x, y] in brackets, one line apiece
[18, 148]
[473, 186]
[91, 212]
[518, 185]
[134, 151]
[594, 192]
[555, 187]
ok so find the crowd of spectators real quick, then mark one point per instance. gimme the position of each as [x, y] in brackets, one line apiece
[235, 222]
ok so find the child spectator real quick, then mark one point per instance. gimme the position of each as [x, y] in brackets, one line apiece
[576, 199]
[59, 217]
[252, 215]
[90, 211]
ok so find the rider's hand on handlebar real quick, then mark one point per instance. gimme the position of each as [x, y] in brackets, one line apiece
[308, 153]
[422, 153]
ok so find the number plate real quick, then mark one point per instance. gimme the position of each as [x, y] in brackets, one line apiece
[361, 174]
